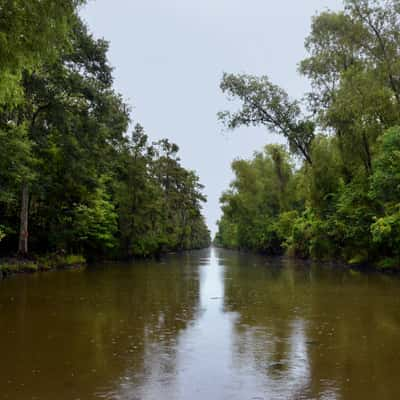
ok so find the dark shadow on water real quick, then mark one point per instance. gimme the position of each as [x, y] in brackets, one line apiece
[210, 324]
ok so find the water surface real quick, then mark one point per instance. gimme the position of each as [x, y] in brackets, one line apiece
[211, 324]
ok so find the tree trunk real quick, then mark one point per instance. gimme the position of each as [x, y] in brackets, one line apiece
[368, 157]
[23, 234]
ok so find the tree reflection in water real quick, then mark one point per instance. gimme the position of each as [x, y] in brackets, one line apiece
[314, 331]
[212, 324]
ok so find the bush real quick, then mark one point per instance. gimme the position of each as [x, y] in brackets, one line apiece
[311, 237]
[12, 267]
[72, 260]
[54, 261]
[389, 264]
[7, 268]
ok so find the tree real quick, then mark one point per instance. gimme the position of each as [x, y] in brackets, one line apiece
[385, 189]
[68, 167]
[68, 124]
[353, 71]
[260, 192]
[264, 103]
[31, 32]
[342, 199]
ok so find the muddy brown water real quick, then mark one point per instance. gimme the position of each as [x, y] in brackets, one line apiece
[211, 324]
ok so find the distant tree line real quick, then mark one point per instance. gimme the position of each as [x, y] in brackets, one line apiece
[334, 191]
[71, 179]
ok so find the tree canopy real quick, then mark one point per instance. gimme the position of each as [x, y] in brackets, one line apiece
[71, 178]
[343, 140]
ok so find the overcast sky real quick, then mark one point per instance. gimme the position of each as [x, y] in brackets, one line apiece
[169, 56]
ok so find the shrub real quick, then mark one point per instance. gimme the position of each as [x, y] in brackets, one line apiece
[17, 267]
[311, 237]
[73, 259]
[389, 264]
[54, 261]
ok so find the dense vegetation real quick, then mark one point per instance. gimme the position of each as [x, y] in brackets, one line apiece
[68, 170]
[334, 191]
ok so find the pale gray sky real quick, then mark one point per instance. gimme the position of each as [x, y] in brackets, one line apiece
[169, 56]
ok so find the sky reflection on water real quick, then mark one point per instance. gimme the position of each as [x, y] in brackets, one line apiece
[212, 324]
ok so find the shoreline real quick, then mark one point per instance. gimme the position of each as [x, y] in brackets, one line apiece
[361, 267]
[14, 265]
[10, 266]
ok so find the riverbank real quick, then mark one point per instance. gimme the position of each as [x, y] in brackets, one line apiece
[386, 266]
[16, 265]
[51, 262]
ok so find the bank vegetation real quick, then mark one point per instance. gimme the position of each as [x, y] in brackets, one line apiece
[333, 192]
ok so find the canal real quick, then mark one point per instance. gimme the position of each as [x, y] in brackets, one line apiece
[211, 324]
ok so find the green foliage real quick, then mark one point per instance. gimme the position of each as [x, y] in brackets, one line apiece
[95, 223]
[312, 237]
[385, 191]
[252, 207]
[159, 202]
[72, 260]
[30, 267]
[343, 200]
[58, 260]
[386, 231]
[16, 163]
[90, 188]
[8, 268]
[385, 185]
[323, 180]
[41, 263]
[32, 31]
[15, 267]
[267, 104]
[284, 224]
[302, 235]
[227, 235]
[389, 264]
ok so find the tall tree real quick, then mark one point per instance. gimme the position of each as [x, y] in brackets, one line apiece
[341, 191]
[264, 103]
[31, 32]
